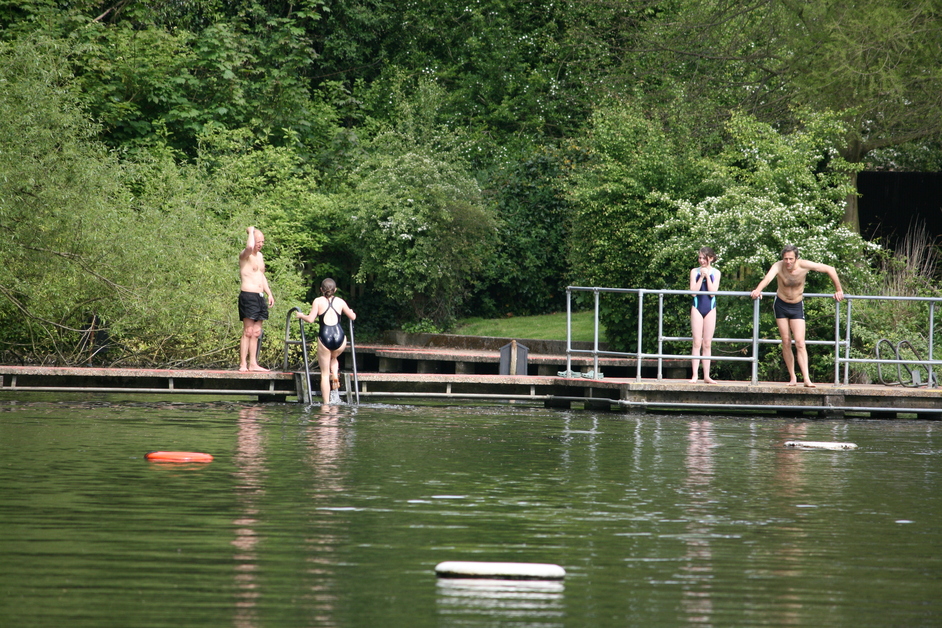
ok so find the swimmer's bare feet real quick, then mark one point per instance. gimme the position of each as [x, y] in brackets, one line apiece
[793, 382]
[693, 381]
[809, 385]
[243, 369]
[709, 380]
[258, 369]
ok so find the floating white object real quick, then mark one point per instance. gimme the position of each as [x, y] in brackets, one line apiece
[505, 571]
[811, 444]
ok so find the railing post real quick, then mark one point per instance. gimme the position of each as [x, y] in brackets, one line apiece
[660, 334]
[595, 347]
[931, 335]
[755, 340]
[837, 342]
[640, 320]
[568, 332]
[850, 304]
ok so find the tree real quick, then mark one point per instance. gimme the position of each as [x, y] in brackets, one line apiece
[174, 69]
[618, 199]
[877, 62]
[423, 230]
[143, 247]
[617, 196]
[530, 268]
[774, 189]
[56, 186]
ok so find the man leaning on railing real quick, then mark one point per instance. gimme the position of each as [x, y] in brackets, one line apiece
[790, 273]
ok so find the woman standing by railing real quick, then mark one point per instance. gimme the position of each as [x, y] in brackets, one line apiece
[706, 280]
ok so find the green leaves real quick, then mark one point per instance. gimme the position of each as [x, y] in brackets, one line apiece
[425, 230]
[777, 189]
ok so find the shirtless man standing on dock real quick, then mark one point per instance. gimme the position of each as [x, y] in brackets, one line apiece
[789, 306]
[253, 305]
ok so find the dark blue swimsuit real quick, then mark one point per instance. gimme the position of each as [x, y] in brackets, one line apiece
[705, 303]
[331, 336]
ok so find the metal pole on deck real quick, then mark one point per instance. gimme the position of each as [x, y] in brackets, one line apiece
[931, 334]
[755, 340]
[308, 395]
[837, 342]
[569, 331]
[353, 354]
[307, 364]
[660, 334]
[595, 351]
[847, 344]
[640, 320]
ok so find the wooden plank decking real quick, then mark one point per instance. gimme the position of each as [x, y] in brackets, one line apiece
[630, 395]
[31, 379]
[469, 374]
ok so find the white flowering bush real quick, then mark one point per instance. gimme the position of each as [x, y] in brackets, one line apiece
[645, 209]
[748, 233]
[422, 230]
[774, 191]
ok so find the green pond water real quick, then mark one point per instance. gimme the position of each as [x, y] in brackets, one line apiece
[316, 518]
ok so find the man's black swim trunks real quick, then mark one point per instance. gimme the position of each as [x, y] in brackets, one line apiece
[784, 309]
[253, 305]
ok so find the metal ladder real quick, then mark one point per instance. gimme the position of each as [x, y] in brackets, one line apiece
[306, 387]
[915, 375]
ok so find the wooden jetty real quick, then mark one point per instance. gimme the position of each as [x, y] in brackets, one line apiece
[427, 370]
[631, 396]
[270, 386]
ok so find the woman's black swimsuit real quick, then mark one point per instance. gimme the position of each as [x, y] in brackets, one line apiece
[330, 335]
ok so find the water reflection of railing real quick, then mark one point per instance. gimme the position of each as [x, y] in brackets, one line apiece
[840, 343]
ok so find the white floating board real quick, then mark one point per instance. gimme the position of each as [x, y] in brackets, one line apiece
[507, 571]
[812, 444]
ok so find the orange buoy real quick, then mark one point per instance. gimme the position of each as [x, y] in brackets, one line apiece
[178, 456]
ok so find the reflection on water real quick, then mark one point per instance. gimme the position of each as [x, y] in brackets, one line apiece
[327, 437]
[467, 601]
[249, 459]
[336, 516]
[788, 554]
[698, 567]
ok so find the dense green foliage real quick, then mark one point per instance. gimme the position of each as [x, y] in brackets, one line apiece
[529, 272]
[84, 251]
[438, 159]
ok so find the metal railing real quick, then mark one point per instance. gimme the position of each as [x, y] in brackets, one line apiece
[308, 394]
[840, 343]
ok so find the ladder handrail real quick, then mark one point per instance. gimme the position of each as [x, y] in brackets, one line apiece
[353, 355]
[309, 397]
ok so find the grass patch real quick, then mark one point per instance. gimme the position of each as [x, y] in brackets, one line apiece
[545, 327]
